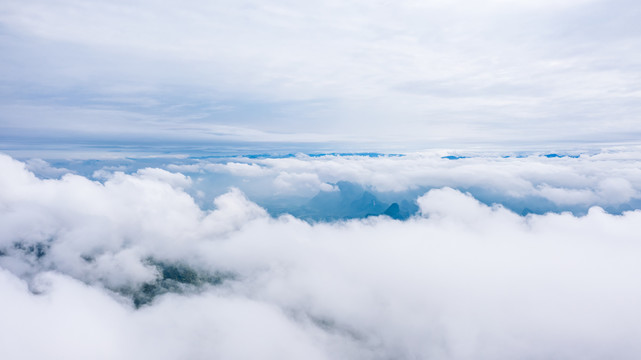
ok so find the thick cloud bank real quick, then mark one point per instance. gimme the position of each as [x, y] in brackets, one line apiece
[133, 268]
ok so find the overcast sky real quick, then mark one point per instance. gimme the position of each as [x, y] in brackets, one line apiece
[412, 74]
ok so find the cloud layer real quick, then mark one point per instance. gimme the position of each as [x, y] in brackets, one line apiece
[405, 74]
[527, 183]
[461, 280]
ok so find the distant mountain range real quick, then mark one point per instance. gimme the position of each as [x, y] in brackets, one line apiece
[351, 201]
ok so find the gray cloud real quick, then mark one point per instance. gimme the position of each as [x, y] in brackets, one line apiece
[493, 72]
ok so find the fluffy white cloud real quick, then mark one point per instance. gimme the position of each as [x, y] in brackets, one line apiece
[598, 179]
[43, 168]
[461, 280]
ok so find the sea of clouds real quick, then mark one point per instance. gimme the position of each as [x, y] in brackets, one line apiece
[110, 262]
[524, 183]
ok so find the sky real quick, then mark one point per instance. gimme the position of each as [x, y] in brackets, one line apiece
[357, 75]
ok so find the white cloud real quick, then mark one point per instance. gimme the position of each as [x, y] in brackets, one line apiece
[569, 181]
[447, 203]
[562, 196]
[174, 179]
[43, 168]
[461, 281]
[299, 183]
[239, 169]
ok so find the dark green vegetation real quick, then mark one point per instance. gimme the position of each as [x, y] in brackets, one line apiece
[33, 252]
[173, 278]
